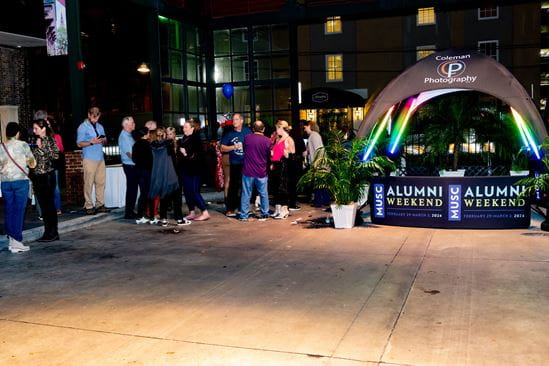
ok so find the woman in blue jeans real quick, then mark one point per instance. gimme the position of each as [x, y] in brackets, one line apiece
[190, 164]
[15, 158]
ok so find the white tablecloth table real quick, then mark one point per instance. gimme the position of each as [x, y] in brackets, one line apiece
[115, 187]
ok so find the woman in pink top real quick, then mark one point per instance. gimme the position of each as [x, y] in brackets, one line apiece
[280, 153]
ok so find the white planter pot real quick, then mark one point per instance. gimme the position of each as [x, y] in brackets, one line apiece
[452, 173]
[515, 173]
[344, 215]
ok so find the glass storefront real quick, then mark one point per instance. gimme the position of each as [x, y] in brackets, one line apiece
[183, 72]
[255, 60]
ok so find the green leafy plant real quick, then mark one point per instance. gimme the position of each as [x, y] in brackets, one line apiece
[520, 161]
[539, 183]
[338, 168]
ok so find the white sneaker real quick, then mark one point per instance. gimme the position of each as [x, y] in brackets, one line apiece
[142, 220]
[164, 222]
[16, 246]
[183, 222]
[154, 221]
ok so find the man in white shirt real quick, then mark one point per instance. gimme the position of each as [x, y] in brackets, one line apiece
[314, 143]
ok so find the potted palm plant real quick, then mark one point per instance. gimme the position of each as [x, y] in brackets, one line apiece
[539, 183]
[341, 170]
[449, 121]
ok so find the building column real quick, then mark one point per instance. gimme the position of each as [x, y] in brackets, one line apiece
[76, 75]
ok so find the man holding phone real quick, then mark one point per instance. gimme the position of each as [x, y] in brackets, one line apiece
[91, 138]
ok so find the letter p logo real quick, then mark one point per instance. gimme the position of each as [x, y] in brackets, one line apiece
[450, 69]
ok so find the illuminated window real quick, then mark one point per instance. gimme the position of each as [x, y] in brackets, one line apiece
[488, 12]
[425, 16]
[334, 67]
[332, 25]
[544, 78]
[489, 48]
[424, 51]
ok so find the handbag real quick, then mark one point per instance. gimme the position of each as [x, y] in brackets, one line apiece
[13, 160]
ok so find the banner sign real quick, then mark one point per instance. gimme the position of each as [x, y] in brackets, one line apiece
[439, 202]
[56, 27]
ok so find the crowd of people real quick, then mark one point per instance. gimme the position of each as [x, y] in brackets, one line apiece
[159, 168]
[256, 159]
[163, 168]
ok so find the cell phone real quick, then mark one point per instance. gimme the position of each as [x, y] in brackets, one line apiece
[101, 136]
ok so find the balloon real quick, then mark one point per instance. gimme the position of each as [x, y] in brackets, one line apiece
[228, 90]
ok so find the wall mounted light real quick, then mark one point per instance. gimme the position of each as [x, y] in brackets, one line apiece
[143, 68]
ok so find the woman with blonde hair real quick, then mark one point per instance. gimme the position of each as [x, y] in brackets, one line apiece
[174, 199]
[191, 163]
[281, 152]
[164, 181]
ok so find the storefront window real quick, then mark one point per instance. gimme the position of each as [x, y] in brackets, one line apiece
[263, 98]
[261, 42]
[222, 44]
[280, 37]
[241, 99]
[267, 63]
[240, 68]
[239, 41]
[183, 70]
[176, 66]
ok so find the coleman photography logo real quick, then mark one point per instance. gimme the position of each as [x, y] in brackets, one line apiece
[451, 70]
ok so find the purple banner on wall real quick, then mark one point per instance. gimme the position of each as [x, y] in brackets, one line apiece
[56, 27]
[468, 202]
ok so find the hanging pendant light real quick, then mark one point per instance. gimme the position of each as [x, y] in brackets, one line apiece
[143, 68]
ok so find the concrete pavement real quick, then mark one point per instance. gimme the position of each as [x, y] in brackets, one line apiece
[225, 292]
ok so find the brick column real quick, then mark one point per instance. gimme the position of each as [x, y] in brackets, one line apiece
[74, 178]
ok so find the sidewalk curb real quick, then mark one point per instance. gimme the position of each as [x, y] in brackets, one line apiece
[83, 222]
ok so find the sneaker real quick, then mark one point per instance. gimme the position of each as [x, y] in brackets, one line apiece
[243, 219]
[164, 222]
[230, 214]
[295, 208]
[40, 218]
[18, 250]
[154, 221]
[90, 211]
[183, 222]
[263, 218]
[59, 212]
[142, 220]
[15, 246]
